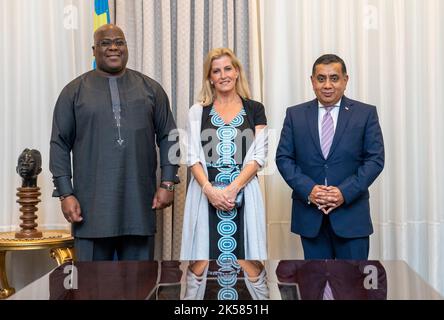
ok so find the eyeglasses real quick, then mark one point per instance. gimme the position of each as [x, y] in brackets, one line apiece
[107, 43]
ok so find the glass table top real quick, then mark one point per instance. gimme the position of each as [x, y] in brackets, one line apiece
[275, 280]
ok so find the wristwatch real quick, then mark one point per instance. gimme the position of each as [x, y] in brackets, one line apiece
[61, 198]
[168, 186]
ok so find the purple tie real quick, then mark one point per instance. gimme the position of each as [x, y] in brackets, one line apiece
[328, 293]
[328, 131]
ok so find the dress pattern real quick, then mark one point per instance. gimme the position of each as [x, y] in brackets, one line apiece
[227, 229]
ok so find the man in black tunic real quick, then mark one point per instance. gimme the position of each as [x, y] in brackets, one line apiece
[110, 119]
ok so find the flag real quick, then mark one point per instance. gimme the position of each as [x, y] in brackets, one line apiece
[101, 13]
[101, 16]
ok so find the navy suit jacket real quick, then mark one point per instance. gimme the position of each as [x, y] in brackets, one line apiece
[355, 160]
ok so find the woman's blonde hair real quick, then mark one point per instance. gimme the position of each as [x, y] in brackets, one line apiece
[207, 93]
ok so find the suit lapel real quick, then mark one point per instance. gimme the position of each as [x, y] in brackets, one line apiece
[345, 113]
[311, 114]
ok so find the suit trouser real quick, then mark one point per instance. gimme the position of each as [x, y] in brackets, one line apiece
[122, 248]
[327, 245]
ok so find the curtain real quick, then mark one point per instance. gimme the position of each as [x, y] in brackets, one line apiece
[44, 45]
[393, 52]
[168, 41]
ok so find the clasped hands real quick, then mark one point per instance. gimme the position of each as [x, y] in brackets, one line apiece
[222, 199]
[327, 198]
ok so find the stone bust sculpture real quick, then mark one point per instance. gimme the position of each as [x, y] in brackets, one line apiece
[29, 165]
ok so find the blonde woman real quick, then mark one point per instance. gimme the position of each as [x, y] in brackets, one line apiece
[224, 214]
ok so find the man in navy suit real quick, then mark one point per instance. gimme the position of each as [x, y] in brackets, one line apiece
[330, 151]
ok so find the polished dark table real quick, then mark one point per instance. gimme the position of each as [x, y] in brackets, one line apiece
[282, 280]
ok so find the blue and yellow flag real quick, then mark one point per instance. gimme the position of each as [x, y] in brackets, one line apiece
[101, 13]
[101, 16]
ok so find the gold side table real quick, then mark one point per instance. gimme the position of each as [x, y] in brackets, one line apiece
[60, 243]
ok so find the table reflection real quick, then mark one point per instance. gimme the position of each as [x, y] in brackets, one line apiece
[237, 280]
[244, 280]
[334, 279]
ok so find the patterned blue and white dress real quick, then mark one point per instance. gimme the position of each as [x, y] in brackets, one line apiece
[224, 156]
